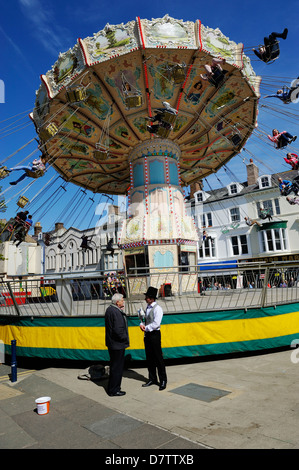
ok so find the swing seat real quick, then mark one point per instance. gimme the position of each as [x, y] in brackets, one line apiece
[235, 225]
[274, 50]
[178, 74]
[48, 132]
[101, 153]
[236, 139]
[3, 172]
[163, 132]
[22, 201]
[225, 230]
[168, 117]
[133, 101]
[76, 94]
[271, 60]
[35, 174]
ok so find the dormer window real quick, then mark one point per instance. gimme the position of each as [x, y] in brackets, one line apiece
[234, 188]
[264, 181]
[199, 197]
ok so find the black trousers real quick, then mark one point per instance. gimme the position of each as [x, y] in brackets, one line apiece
[117, 361]
[154, 356]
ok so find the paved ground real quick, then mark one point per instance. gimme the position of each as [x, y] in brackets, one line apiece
[248, 402]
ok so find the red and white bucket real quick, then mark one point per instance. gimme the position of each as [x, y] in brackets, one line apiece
[43, 405]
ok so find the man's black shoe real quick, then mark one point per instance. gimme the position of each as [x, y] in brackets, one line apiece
[117, 394]
[149, 383]
[163, 385]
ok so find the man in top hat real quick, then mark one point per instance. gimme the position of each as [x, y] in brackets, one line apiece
[152, 340]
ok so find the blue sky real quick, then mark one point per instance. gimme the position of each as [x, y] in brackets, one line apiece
[34, 32]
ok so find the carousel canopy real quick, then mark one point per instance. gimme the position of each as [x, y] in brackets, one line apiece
[95, 105]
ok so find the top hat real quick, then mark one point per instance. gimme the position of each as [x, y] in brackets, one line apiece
[151, 292]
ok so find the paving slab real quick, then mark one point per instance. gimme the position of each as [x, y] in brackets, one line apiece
[257, 406]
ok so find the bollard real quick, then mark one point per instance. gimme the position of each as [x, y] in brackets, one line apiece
[13, 360]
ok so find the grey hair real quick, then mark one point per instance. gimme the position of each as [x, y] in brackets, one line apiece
[116, 298]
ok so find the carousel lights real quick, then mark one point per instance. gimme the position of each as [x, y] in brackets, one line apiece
[172, 241]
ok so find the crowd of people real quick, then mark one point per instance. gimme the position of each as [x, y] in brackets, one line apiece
[114, 283]
[208, 286]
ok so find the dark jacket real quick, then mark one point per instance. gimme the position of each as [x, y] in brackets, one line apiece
[116, 328]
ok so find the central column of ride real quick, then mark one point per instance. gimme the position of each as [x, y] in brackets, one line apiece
[158, 234]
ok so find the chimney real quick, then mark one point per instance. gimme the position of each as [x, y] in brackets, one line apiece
[197, 186]
[37, 229]
[58, 226]
[252, 173]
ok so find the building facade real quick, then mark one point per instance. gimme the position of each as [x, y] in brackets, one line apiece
[63, 251]
[221, 213]
[21, 261]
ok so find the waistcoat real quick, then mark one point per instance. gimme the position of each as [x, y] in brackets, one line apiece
[149, 317]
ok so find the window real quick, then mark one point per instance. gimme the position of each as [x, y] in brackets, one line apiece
[207, 220]
[187, 260]
[110, 262]
[233, 189]
[268, 206]
[192, 208]
[273, 239]
[265, 183]
[138, 260]
[207, 249]
[199, 197]
[277, 207]
[235, 214]
[239, 245]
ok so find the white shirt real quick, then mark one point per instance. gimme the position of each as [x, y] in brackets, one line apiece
[155, 325]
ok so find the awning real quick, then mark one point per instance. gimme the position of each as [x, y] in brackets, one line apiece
[269, 225]
[218, 265]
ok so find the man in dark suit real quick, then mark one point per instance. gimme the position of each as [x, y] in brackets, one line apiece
[117, 340]
[152, 340]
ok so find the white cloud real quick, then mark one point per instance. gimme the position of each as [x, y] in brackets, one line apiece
[51, 35]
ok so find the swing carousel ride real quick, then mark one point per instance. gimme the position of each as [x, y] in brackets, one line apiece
[97, 108]
[145, 109]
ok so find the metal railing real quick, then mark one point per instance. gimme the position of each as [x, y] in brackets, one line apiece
[181, 290]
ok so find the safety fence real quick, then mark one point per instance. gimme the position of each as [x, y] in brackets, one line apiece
[180, 290]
